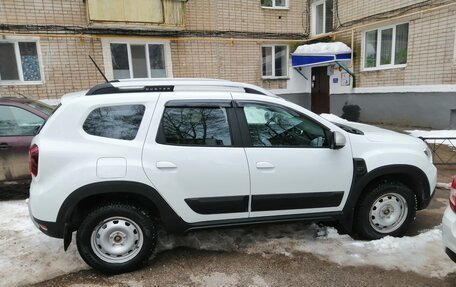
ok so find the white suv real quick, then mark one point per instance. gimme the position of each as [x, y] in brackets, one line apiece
[115, 162]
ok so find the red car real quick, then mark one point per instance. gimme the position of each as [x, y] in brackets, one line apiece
[20, 119]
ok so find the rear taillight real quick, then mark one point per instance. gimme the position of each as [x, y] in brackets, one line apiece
[453, 194]
[33, 159]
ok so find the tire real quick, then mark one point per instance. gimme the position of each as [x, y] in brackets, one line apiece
[386, 210]
[117, 238]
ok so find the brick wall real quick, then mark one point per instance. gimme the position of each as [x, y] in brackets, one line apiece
[230, 60]
[245, 15]
[350, 10]
[430, 60]
[50, 12]
[66, 68]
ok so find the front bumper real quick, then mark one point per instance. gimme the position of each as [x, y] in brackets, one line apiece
[449, 232]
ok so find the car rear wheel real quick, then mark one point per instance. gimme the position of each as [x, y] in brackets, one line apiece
[387, 209]
[117, 238]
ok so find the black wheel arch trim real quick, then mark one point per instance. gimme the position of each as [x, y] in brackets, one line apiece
[171, 221]
[362, 178]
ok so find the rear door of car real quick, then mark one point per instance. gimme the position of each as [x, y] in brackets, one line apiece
[194, 157]
[17, 128]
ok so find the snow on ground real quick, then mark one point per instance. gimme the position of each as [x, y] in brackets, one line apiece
[28, 256]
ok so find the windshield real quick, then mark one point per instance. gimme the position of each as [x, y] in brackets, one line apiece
[42, 107]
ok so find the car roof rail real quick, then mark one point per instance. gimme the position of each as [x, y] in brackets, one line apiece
[174, 84]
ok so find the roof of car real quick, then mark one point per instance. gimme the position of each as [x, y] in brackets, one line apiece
[15, 100]
[174, 84]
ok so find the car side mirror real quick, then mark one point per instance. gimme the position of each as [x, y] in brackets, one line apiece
[338, 140]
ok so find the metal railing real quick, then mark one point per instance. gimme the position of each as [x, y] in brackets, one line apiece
[443, 149]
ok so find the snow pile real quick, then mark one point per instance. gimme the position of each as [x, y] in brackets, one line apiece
[423, 254]
[28, 256]
[436, 134]
[332, 48]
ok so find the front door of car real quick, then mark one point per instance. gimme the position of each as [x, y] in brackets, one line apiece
[293, 170]
[194, 157]
[17, 128]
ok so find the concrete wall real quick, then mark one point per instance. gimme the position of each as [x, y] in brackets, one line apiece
[425, 109]
[299, 99]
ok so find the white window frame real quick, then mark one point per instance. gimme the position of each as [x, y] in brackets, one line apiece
[454, 49]
[274, 5]
[273, 61]
[107, 61]
[314, 17]
[16, 41]
[393, 49]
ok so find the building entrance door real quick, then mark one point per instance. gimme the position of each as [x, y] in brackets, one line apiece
[320, 90]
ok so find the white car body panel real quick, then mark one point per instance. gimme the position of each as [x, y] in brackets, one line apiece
[449, 229]
[69, 157]
[199, 171]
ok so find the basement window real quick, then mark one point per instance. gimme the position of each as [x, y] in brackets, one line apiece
[19, 62]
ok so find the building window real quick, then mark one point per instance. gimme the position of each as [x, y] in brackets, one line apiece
[322, 17]
[274, 3]
[274, 61]
[145, 60]
[19, 62]
[386, 47]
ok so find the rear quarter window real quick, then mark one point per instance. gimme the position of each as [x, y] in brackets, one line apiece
[115, 122]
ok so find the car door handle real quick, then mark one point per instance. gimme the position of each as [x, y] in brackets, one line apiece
[165, 164]
[4, 146]
[264, 165]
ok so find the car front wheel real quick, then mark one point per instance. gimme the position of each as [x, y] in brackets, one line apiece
[387, 209]
[116, 238]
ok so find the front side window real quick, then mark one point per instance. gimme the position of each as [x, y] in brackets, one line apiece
[274, 61]
[19, 62]
[200, 126]
[274, 3]
[386, 47]
[272, 126]
[115, 122]
[138, 60]
[15, 121]
[322, 17]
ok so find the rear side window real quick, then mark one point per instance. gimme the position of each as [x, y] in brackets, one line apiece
[201, 126]
[115, 122]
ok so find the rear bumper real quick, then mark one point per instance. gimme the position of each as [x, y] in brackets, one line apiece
[51, 229]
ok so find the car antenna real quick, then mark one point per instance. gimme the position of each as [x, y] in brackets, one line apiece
[98, 68]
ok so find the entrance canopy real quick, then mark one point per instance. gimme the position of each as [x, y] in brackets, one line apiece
[320, 53]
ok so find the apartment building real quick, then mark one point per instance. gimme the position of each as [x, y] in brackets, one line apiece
[45, 44]
[399, 66]
[403, 63]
